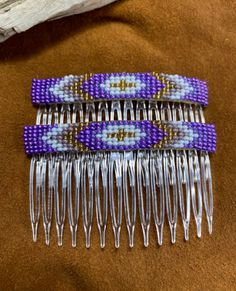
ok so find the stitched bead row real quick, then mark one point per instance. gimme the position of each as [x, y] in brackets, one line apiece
[119, 135]
[120, 86]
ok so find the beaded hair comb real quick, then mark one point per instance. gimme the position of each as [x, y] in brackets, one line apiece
[125, 140]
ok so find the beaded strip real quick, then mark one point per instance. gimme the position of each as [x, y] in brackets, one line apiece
[119, 136]
[92, 87]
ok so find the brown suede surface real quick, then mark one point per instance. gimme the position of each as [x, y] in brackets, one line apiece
[192, 38]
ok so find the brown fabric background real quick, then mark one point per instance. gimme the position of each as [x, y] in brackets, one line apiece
[193, 38]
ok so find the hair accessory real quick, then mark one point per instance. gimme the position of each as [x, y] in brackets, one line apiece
[119, 136]
[116, 158]
[122, 86]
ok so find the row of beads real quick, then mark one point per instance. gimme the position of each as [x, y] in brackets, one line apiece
[119, 135]
[145, 86]
[114, 136]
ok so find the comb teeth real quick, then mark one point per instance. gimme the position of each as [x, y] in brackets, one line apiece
[119, 110]
[152, 184]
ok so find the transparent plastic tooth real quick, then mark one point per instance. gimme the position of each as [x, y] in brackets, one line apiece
[130, 208]
[34, 188]
[184, 190]
[186, 112]
[115, 160]
[39, 115]
[101, 171]
[77, 113]
[68, 113]
[165, 111]
[196, 191]
[62, 114]
[183, 179]
[191, 113]
[49, 115]
[74, 172]
[36, 183]
[90, 112]
[170, 180]
[129, 181]
[157, 189]
[34, 195]
[47, 181]
[44, 115]
[170, 191]
[201, 113]
[47, 173]
[61, 172]
[55, 114]
[115, 166]
[194, 174]
[103, 113]
[87, 196]
[143, 181]
[141, 110]
[128, 111]
[87, 176]
[157, 182]
[153, 111]
[206, 180]
[115, 113]
[60, 191]
[207, 189]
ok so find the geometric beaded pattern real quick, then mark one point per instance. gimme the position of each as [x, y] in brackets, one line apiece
[119, 136]
[145, 86]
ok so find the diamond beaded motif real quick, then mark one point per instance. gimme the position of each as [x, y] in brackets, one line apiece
[119, 136]
[122, 86]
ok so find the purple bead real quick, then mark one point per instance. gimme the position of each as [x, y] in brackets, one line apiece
[150, 86]
[206, 140]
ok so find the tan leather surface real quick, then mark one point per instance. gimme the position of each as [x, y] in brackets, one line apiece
[193, 38]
